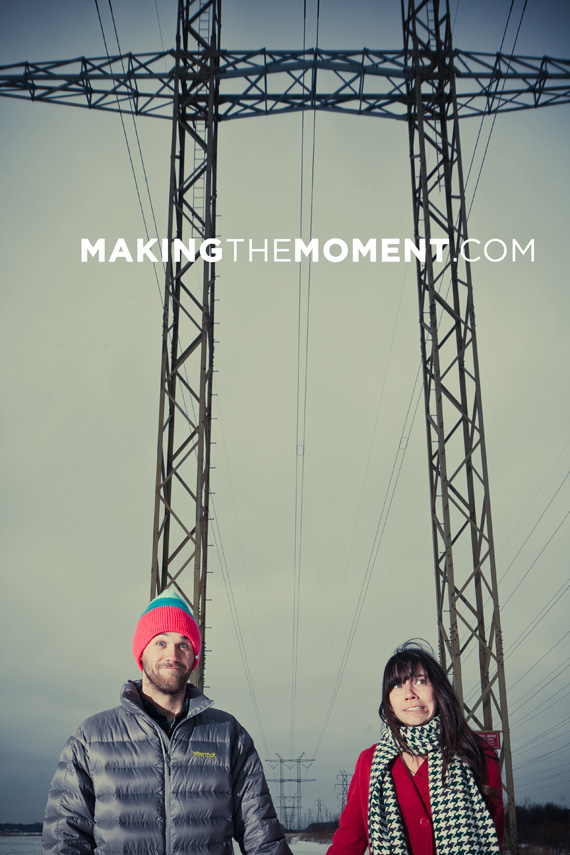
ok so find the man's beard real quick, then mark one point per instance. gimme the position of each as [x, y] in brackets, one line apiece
[173, 682]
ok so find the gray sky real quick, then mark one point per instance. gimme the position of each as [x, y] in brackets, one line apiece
[80, 380]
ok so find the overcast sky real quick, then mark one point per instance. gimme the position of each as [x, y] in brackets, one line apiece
[80, 384]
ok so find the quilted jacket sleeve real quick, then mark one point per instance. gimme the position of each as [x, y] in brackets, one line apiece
[256, 827]
[68, 820]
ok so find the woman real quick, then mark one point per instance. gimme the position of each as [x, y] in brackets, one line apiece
[430, 785]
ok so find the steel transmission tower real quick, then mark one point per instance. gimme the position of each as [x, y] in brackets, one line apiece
[468, 617]
[430, 86]
[180, 537]
[290, 806]
[343, 784]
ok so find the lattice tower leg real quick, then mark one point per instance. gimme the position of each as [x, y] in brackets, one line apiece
[180, 539]
[466, 581]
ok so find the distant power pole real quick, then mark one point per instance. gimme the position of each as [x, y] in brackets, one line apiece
[290, 804]
[319, 807]
[343, 784]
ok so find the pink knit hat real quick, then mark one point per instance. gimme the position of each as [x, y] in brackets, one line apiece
[166, 613]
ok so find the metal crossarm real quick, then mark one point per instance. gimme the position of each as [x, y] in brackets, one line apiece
[255, 83]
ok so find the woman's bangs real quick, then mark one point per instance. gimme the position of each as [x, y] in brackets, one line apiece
[402, 668]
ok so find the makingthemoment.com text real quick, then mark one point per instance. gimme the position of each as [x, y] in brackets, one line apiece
[335, 250]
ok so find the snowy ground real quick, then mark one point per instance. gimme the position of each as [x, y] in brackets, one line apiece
[308, 847]
[312, 847]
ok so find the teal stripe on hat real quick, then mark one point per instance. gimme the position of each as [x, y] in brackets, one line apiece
[168, 600]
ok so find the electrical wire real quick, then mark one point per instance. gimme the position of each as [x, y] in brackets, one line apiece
[524, 513]
[244, 569]
[555, 698]
[361, 498]
[521, 702]
[560, 640]
[379, 534]
[537, 620]
[301, 409]
[129, 147]
[226, 577]
[538, 759]
[474, 691]
[532, 530]
[540, 617]
[548, 542]
[495, 115]
[550, 769]
[543, 787]
[535, 743]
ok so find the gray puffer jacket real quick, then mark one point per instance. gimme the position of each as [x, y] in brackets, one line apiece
[122, 786]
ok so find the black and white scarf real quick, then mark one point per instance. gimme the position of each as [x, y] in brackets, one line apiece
[462, 824]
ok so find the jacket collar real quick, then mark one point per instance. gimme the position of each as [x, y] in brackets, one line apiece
[132, 702]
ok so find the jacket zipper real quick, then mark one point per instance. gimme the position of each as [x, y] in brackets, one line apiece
[166, 756]
[167, 798]
[167, 786]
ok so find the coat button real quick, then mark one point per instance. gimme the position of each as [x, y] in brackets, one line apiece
[424, 821]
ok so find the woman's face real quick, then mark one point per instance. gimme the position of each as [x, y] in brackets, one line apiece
[413, 701]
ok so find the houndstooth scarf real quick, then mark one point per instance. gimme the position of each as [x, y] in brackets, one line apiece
[461, 822]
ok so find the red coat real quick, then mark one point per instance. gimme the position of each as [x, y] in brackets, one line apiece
[351, 838]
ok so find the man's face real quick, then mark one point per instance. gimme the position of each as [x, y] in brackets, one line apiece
[168, 661]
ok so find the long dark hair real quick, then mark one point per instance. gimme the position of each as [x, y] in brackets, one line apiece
[410, 661]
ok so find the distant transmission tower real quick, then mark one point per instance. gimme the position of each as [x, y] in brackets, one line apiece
[290, 804]
[343, 785]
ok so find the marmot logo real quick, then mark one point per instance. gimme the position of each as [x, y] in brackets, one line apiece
[203, 754]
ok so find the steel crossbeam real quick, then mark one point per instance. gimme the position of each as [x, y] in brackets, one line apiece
[255, 83]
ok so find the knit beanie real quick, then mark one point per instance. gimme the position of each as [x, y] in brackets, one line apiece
[166, 613]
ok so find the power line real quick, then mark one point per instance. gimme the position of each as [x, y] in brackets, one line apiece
[380, 528]
[541, 741]
[526, 540]
[301, 420]
[243, 562]
[550, 769]
[532, 530]
[538, 661]
[495, 115]
[536, 710]
[366, 471]
[235, 620]
[129, 148]
[542, 757]
[544, 786]
[551, 676]
[550, 539]
[524, 513]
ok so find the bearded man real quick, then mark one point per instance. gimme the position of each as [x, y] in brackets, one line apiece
[163, 772]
